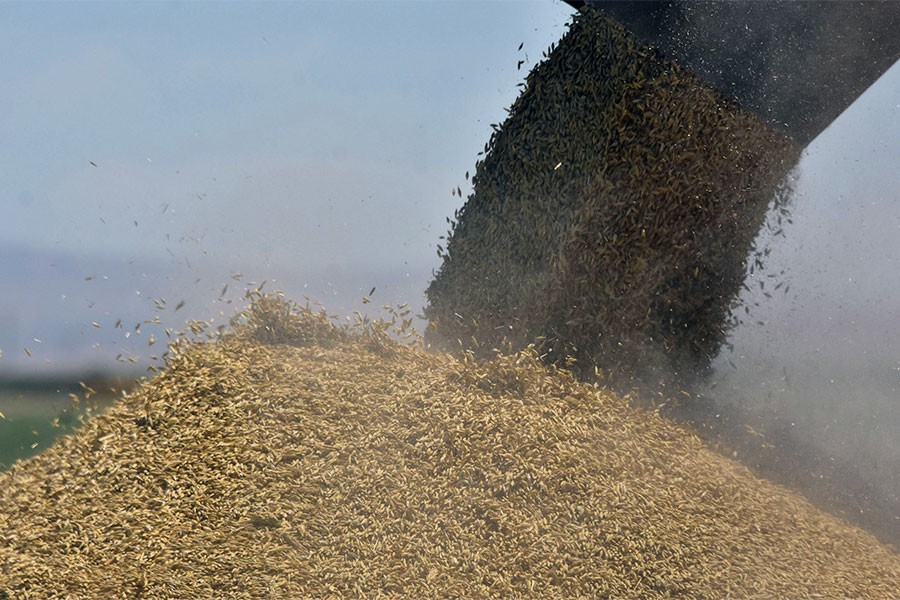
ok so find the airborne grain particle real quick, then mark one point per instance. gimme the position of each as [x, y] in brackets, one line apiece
[89, 391]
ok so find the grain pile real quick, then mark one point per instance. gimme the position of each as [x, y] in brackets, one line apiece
[294, 460]
[612, 214]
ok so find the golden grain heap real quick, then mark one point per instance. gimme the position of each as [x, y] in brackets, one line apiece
[612, 214]
[292, 460]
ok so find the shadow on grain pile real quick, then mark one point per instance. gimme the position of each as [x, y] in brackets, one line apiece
[291, 458]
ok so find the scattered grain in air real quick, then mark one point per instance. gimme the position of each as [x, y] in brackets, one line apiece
[27, 351]
[95, 324]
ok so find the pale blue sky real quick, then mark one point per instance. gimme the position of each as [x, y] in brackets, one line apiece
[272, 132]
[310, 143]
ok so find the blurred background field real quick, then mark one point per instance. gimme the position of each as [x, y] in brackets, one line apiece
[36, 413]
